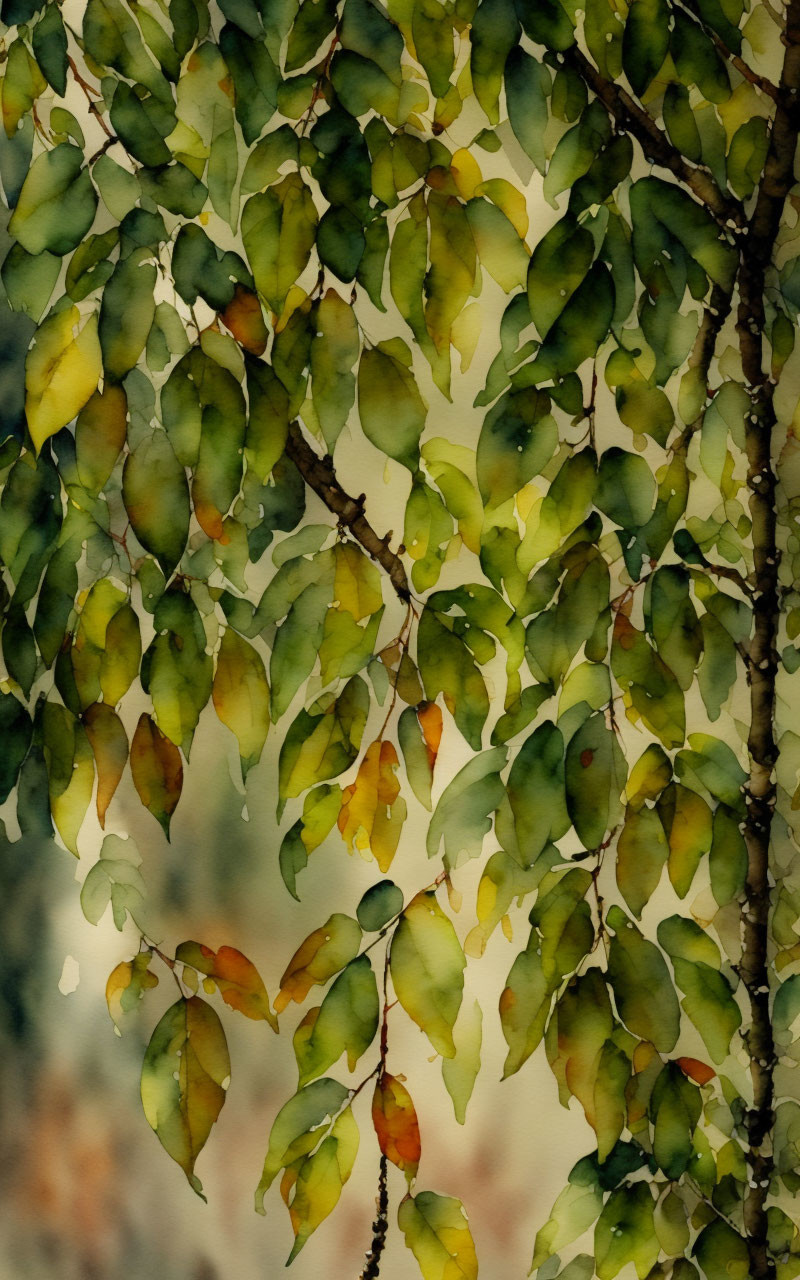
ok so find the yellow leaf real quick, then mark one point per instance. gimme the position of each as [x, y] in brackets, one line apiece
[357, 584]
[61, 373]
[372, 814]
[509, 200]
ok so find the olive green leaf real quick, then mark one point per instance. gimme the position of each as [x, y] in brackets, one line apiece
[427, 967]
[185, 1073]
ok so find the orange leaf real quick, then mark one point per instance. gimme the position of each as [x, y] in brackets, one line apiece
[698, 1071]
[244, 319]
[109, 742]
[372, 814]
[240, 984]
[430, 722]
[396, 1124]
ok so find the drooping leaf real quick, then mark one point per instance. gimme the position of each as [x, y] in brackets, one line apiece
[427, 967]
[126, 985]
[373, 811]
[61, 372]
[157, 770]
[324, 952]
[345, 1022]
[185, 1073]
[395, 1121]
[437, 1233]
[241, 696]
[237, 978]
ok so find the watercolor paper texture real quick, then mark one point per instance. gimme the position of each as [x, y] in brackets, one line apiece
[399, 500]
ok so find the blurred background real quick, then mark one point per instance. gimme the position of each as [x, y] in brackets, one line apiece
[88, 1193]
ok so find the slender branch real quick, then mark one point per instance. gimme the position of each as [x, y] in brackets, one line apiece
[761, 82]
[380, 1226]
[705, 343]
[760, 787]
[630, 116]
[319, 474]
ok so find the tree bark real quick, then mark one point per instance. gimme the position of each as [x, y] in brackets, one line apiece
[760, 788]
[320, 476]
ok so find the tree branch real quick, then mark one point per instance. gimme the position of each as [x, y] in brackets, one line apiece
[714, 317]
[320, 476]
[760, 788]
[653, 141]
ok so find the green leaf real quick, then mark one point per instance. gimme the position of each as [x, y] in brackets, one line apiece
[708, 998]
[641, 854]
[390, 406]
[298, 1128]
[595, 774]
[57, 203]
[668, 221]
[524, 1006]
[495, 32]
[335, 348]
[50, 48]
[625, 1233]
[380, 904]
[126, 314]
[446, 666]
[461, 1072]
[185, 1073]
[346, 1022]
[643, 991]
[527, 84]
[517, 440]
[576, 1209]
[156, 498]
[645, 42]
[437, 1233]
[427, 966]
[323, 953]
[241, 696]
[536, 793]
[255, 80]
[316, 1181]
[17, 731]
[721, 1252]
[179, 674]
[279, 227]
[463, 815]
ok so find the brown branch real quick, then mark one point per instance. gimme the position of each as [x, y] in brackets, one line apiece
[88, 90]
[761, 82]
[320, 476]
[705, 343]
[380, 1226]
[760, 787]
[631, 117]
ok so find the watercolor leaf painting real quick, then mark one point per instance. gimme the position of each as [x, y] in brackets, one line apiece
[411, 388]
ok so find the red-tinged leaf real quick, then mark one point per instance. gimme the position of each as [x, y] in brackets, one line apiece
[396, 1125]
[239, 981]
[244, 318]
[430, 722]
[157, 770]
[698, 1071]
[109, 742]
